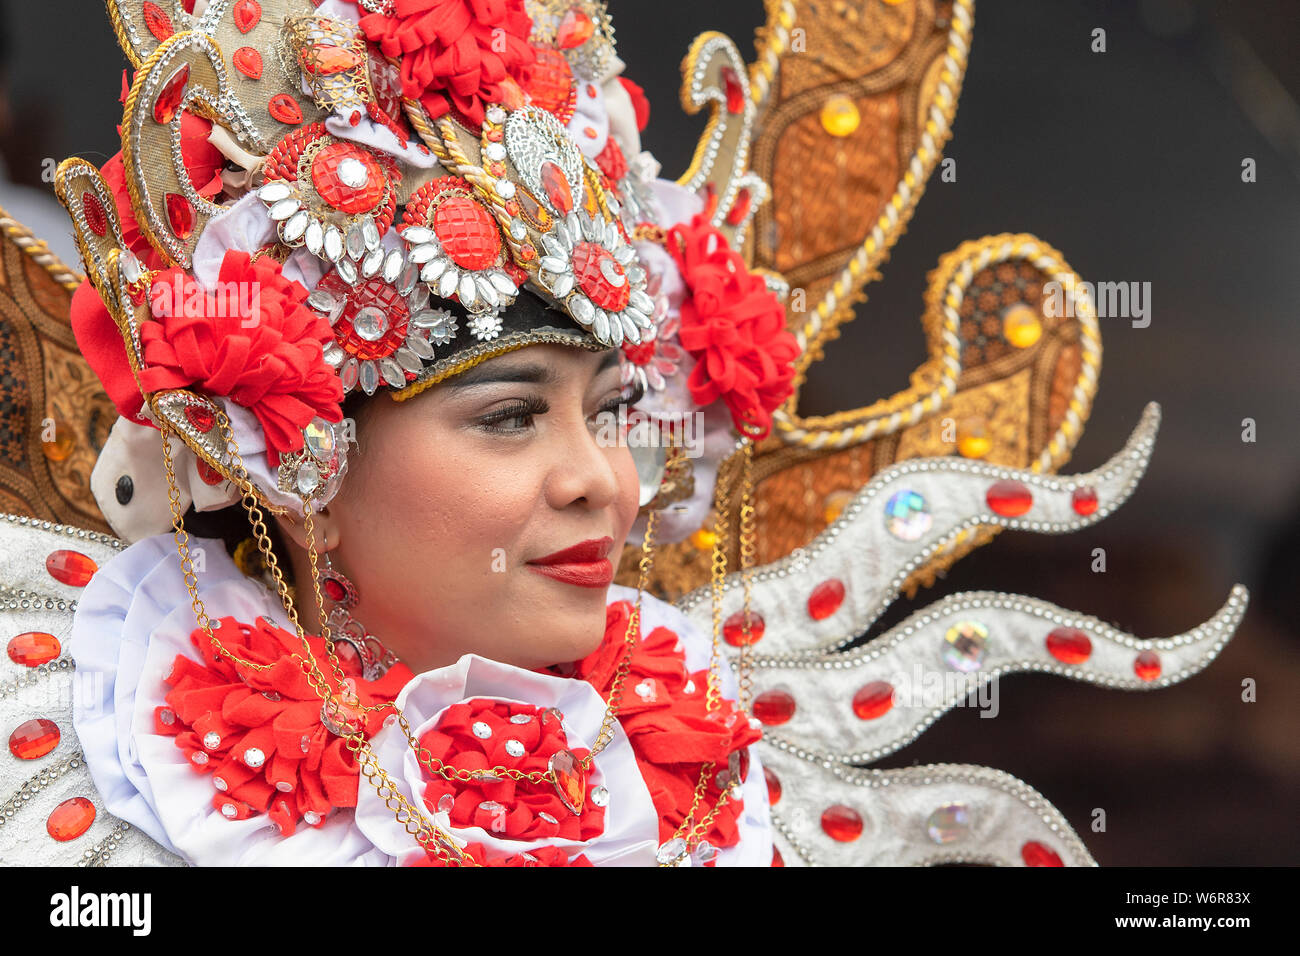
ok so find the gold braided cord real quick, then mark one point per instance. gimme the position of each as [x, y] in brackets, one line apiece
[772, 46]
[39, 252]
[835, 307]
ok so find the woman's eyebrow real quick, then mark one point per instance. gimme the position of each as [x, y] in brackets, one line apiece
[533, 373]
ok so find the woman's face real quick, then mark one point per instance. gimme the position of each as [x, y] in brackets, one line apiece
[449, 496]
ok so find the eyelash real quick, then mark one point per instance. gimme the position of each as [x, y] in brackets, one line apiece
[535, 405]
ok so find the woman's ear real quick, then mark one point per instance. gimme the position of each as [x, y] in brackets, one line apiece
[325, 527]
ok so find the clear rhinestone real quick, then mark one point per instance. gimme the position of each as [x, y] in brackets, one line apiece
[220, 784]
[965, 645]
[543, 815]
[496, 114]
[948, 823]
[495, 152]
[311, 818]
[369, 375]
[211, 740]
[254, 758]
[284, 786]
[521, 719]
[167, 716]
[370, 323]
[505, 189]
[392, 372]
[353, 173]
[200, 758]
[906, 515]
[445, 803]
[356, 242]
[274, 191]
[600, 796]
[415, 235]
[671, 851]
[703, 853]
[490, 806]
[319, 439]
[645, 690]
[514, 748]
[304, 744]
[481, 730]
[333, 244]
[229, 811]
[293, 230]
[308, 477]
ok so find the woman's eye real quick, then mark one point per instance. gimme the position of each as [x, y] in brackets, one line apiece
[515, 417]
[631, 394]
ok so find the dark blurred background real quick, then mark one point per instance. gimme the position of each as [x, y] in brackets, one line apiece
[1129, 162]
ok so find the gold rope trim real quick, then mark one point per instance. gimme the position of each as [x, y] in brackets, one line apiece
[39, 252]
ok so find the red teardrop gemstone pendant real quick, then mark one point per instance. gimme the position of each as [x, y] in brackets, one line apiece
[1038, 854]
[34, 738]
[70, 819]
[826, 599]
[285, 108]
[248, 61]
[1009, 498]
[570, 780]
[71, 568]
[248, 13]
[1069, 645]
[556, 187]
[34, 648]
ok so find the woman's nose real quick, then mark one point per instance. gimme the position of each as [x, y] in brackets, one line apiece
[583, 467]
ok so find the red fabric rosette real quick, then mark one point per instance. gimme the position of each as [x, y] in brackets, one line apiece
[455, 54]
[734, 327]
[302, 767]
[253, 340]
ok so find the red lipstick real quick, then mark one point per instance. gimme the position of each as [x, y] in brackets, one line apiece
[585, 564]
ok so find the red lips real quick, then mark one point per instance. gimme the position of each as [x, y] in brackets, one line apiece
[584, 564]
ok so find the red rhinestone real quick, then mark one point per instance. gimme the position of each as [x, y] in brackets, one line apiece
[773, 786]
[1084, 501]
[170, 96]
[592, 266]
[773, 707]
[734, 90]
[776, 857]
[70, 567]
[1009, 498]
[1037, 854]
[247, 14]
[34, 648]
[740, 208]
[201, 417]
[467, 232]
[575, 29]
[733, 629]
[548, 80]
[159, 24]
[873, 700]
[285, 108]
[349, 659]
[709, 193]
[208, 474]
[96, 217]
[591, 91]
[325, 60]
[353, 200]
[248, 61]
[1147, 666]
[180, 214]
[1069, 645]
[334, 590]
[826, 599]
[842, 823]
[70, 819]
[556, 187]
[34, 738]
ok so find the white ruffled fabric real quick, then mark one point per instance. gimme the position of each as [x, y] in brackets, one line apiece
[135, 616]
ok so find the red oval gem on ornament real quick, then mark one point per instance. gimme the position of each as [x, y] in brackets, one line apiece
[842, 823]
[874, 700]
[201, 417]
[575, 29]
[1069, 645]
[159, 24]
[709, 193]
[71, 568]
[773, 786]
[170, 96]
[34, 648]
[826, 599]
[1083, 501]
[600, 276]
[70, 819]
[180, 215]
[248, 61]
[208, 474]
[556, 187]
[570, 780]
[349, 659]
[285, 108]
[1038, 854]
[96, 217]
[773, 707]
[348, 177]
[468, 233]
[334, 590]
[1147, 666]
[733, 629]
[248, 13]
[1009, 498]
[34, 738]
[740, 208]
[734, 90]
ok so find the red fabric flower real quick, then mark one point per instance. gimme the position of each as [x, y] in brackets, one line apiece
[100, 341]
[455, 54]
[640, 105]
[217, 711]
[542, 856]
[734, 327]
[665, 715]
[253, 339]
[504, 809]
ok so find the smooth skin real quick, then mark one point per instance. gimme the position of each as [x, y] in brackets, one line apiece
[450, 493]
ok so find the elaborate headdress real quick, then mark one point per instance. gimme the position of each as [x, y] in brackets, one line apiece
[412, 186]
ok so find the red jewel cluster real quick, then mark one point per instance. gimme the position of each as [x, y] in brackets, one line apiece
[506, 809]
[259, 732]
[465, 229]
[734, 327]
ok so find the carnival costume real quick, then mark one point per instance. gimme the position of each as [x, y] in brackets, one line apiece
[414, 187]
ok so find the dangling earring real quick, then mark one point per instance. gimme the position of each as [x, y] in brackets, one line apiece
[359, 647]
